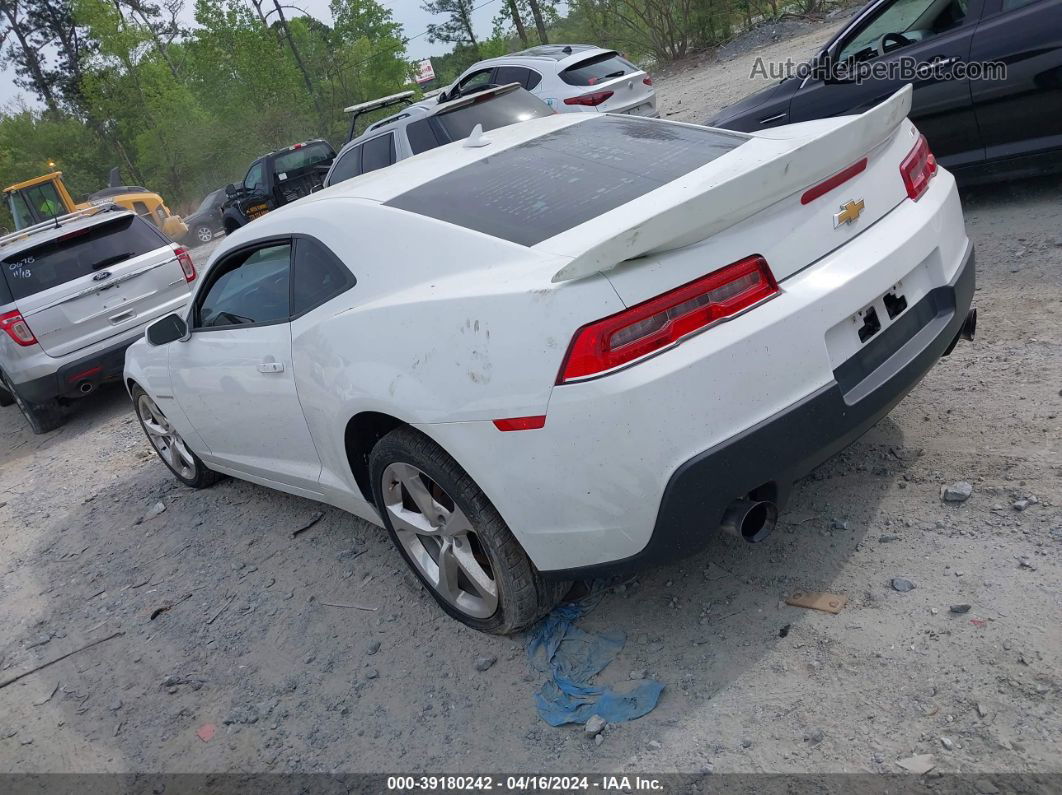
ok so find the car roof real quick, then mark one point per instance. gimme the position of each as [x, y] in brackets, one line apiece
[284, 149]
[409, 114]
[22, 240]
[554, 53]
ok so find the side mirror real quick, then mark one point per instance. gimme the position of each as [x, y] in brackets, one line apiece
[230, 191]
[170, 329]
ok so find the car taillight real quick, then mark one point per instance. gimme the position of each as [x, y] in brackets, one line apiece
[589, 99]
[521, 423]
[663, 321]
[918, 168]
[185, 259]
[835, 181]
[648, 80]
[17, 328]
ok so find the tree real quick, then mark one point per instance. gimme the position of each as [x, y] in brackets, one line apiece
[540, 21]
[24, 53]
[457, 29]
[512, 11]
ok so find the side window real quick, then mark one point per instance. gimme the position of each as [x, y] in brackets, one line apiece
[901, 24]
[511, 74]
[421, 136]
[251, 287]
[378, 153]
[254, 182]
[349, 165]
[317, 275]
[475, 81]
[533, 79]
[142, 210]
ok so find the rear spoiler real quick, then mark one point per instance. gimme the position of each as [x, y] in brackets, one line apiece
[735, 189]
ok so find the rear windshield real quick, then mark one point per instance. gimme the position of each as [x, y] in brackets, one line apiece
[598, 69]
[548, 185]
[78, 254]
[492, 112]
[309, 155]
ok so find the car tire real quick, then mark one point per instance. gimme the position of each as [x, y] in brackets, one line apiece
[489, 582]
[42, 417]
[202, 234]
[180, 459]
[6, 398]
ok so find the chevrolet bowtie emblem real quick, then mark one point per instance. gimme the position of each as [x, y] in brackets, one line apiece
[850, 211]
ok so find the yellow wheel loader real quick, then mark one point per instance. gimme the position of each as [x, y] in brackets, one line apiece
[45, 197]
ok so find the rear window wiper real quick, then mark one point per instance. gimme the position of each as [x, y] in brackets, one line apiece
[620, 73]
[103, 263]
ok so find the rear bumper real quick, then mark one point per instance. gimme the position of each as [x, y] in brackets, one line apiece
[773, 454]
[79, 377]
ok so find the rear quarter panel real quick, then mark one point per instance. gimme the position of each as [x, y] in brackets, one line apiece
[444, 326]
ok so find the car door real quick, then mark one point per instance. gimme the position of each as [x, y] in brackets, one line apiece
[927, 43]
[233, 376]
[256, 200]
[1021, 114]
[320, 285]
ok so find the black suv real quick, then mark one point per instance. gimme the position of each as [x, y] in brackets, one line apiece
[277, 179]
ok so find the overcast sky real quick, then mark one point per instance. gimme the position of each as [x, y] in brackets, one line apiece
[413, 19]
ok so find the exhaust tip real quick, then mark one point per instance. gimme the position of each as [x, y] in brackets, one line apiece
[86, 387]
[969, 326]
[752, 520]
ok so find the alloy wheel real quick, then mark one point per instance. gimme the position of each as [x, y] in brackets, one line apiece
[440, 540]
[165, 439]
[204, 234]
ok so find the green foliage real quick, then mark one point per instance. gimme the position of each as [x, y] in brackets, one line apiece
[186, 114]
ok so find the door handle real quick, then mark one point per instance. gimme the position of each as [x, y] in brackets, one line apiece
[271, 367]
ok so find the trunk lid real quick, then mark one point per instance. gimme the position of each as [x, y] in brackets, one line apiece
[630, 94]
[608, 71]
[94, 283]
[752, 200]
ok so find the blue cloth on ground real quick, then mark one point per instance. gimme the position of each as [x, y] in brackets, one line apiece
[573, 658]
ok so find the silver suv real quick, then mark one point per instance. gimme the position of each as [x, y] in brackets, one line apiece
[427, 124]
[75, 292]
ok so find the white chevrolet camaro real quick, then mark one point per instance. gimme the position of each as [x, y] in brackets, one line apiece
[571, 347]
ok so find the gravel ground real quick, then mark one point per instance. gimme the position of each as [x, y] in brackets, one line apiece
[230, 660]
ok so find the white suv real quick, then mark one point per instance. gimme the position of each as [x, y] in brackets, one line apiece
[75, 292]
[570, 78]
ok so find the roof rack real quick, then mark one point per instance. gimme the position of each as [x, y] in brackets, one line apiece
[401, 98]
[57, 222]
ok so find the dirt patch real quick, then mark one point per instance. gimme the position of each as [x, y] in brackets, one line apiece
[231, 660]
[697, 88]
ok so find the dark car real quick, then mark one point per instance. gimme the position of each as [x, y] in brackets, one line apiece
[276, 179]
[205, 222]
[980, 123]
